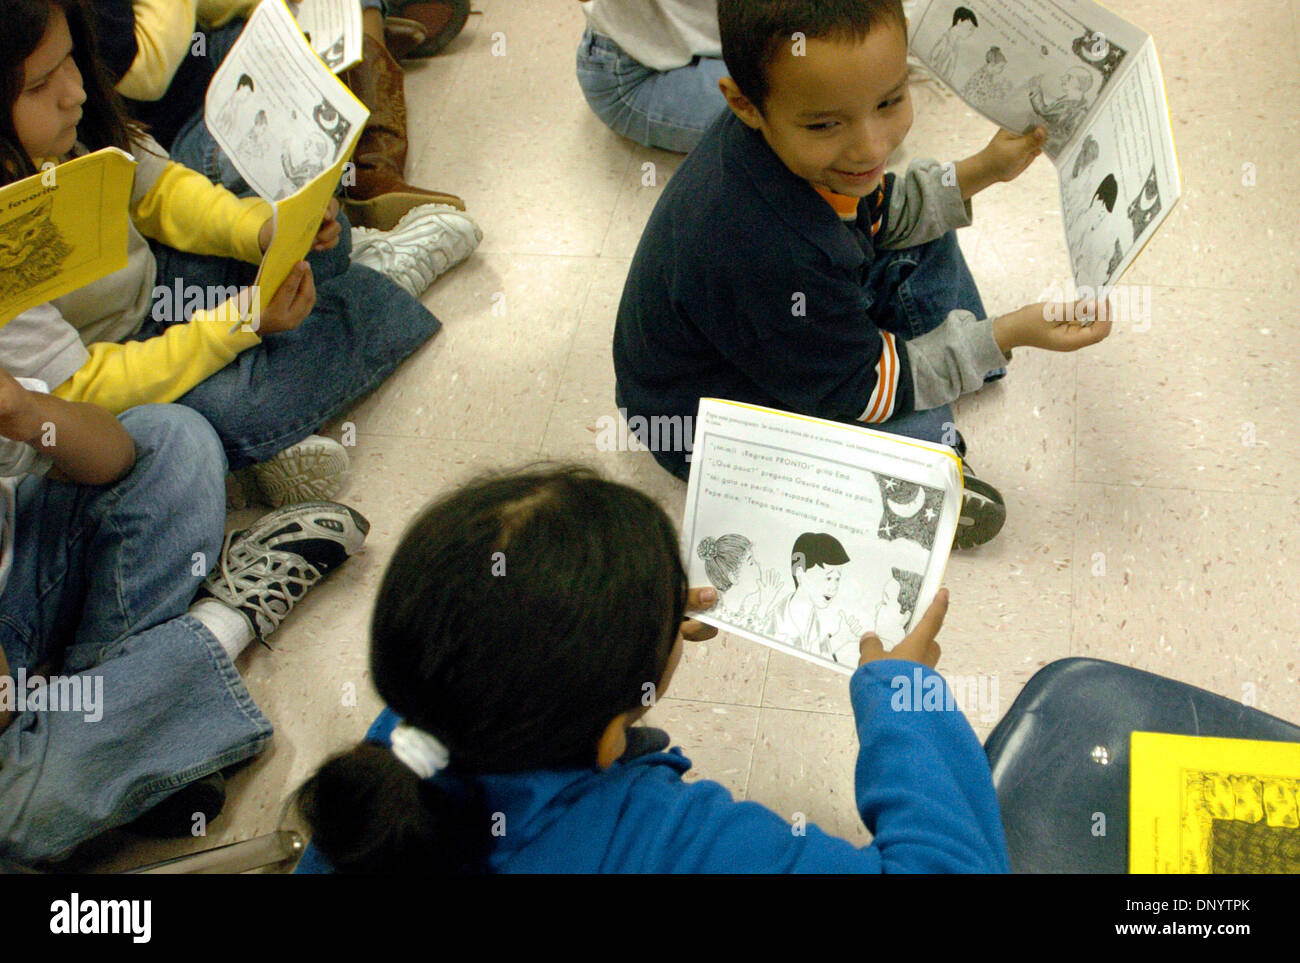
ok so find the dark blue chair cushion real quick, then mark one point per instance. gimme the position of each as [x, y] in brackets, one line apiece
[1049, 785]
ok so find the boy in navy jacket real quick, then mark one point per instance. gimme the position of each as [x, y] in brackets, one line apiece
[783, 267]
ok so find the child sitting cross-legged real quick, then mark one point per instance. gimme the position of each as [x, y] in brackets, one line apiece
[783, 267]
[109, 528]
[332, 332]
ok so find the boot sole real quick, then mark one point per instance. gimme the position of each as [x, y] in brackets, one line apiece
[383, 212]
[983, 513]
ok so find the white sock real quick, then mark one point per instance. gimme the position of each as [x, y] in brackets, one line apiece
[230, 627]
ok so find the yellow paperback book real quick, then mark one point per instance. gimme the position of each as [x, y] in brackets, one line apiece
[1205, 805]
[63, 228]
[288, 125]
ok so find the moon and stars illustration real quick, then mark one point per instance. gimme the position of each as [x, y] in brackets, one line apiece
[910, 510]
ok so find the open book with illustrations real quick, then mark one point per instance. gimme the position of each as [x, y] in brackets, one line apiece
[814, 532]
[1206, 805]
[1093, 81]
[63, 228]
[288, 125]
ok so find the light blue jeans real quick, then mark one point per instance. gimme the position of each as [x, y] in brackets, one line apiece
[101, 581]
[669, 109]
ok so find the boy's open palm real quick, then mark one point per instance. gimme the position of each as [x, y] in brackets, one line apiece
[1054, 327]
[919, 645]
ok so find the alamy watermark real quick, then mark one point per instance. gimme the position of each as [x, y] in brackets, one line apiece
[1129, 304]
[179, 301]
[976, 695]
[56, 693]
[675, 433]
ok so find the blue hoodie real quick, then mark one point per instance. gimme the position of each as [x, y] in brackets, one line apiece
[922, 786]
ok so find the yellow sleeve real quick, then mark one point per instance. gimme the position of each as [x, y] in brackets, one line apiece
[161, 369]
[164, 30]
[218, 13]
[185, 210]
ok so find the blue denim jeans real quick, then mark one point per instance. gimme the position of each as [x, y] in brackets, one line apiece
[277, 393]
[911, 291]
[670, 109]
[101, 581]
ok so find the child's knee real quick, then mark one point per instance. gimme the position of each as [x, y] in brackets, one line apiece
[181, 437]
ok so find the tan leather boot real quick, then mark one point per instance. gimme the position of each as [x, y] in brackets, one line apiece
[380, 195]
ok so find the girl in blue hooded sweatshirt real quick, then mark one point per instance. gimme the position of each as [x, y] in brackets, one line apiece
[523, 624]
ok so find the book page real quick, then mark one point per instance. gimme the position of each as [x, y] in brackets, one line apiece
[1025, 63]
[276, 110]
[1212, 805]
[1121, 180]
[297, 219]
[63, 228]
[814, 532]
[333, 28]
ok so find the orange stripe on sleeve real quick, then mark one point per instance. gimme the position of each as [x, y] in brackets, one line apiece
[881, 404]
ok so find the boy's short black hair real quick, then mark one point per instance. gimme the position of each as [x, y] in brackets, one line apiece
[816, 548]
[965, 13]
[1107, 191]
[754, 30]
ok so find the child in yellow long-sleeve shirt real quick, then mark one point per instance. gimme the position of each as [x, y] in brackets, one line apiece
[145, 334]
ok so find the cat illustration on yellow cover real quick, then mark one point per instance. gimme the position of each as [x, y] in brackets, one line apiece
[32, 251]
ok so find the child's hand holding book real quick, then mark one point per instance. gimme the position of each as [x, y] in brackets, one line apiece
[919, 645]
[326, 237]
[1004, 159]
[289, 307]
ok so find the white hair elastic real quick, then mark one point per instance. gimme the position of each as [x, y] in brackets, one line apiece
[419, 751]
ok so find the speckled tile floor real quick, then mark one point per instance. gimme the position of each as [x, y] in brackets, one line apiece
[1150, 519]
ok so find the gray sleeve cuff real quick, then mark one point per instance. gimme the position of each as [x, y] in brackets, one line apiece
[40, 343]
[925, 204]
[953, 359]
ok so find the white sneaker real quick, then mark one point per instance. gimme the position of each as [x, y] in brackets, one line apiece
[428, 241]
[312, 470]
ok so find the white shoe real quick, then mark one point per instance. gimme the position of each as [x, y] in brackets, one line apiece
[312, 470]
[428, 241]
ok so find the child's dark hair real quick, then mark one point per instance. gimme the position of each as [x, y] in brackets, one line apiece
[104, 122]
[815, 548]
[1107, 191]
[518, 617]
[965, 13]
[753, 31]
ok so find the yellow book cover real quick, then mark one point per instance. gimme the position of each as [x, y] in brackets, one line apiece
[1205, 805]
[63, 228]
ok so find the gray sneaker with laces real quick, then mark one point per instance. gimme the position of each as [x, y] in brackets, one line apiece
[266, 569]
